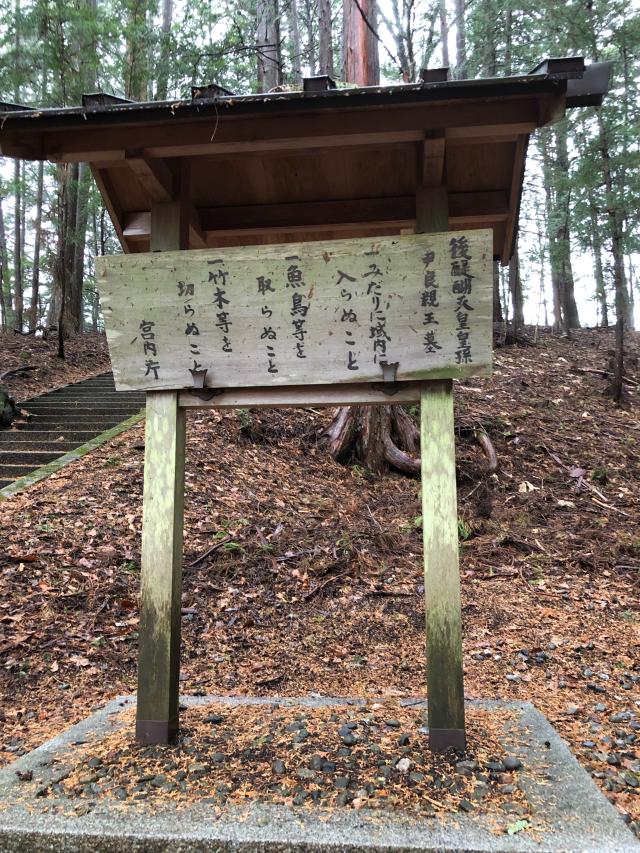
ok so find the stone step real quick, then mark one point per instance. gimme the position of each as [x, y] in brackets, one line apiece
[15, 471]
[59, 447]
[89, 418]
[80, 408]
[33, 458]
[61, 421]
[125, 396]
[27, 436]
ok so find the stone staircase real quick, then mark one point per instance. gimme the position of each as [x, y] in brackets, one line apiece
[63, 420]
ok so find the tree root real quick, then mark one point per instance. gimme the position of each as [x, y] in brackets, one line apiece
[385, 436]
[488, 449]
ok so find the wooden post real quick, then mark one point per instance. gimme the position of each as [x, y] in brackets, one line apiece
[441, 571]
[445, 686]
[162, 522]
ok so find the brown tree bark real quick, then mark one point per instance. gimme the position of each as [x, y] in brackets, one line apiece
[325, 42]
[497, 305]
[37, 240]
[296, 49]
[5, 280]
[311, 40]
[461, 41]
[360, 60]
[269, 71]
[165, 49]
[18, 299]
[515, 289]
[444, 32]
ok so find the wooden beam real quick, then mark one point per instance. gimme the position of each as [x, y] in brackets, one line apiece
[515, 190]
[360, 394]
[293, 132]
[162, 524]
[344, 216]
[432, 161]
[484, 133]
[154, 175]
[113, 209]
[445, 689]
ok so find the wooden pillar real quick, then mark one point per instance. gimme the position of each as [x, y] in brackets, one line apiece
[445, 686]
[162, 523]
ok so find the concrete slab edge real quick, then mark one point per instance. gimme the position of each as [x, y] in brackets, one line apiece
[582, 820]
[72, 456]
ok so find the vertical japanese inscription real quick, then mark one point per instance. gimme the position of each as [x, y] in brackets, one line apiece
[149, 348]
[269, 333]
[348, 317]
[218, 279]
[299, 305]
[187, 292]
[462, 287]
[378, 334]
[429, 302]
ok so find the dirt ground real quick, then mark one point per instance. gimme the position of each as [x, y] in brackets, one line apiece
[85, 356]
[315, 580]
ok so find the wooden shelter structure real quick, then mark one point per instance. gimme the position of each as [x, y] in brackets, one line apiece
[219, 170]
[322, 163]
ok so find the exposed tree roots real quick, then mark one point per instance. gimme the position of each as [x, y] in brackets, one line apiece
[385, 436]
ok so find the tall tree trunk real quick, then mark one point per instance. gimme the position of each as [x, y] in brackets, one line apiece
[596, 248]
[515, 289]
[74, 306]
[165, 50]
[615, 229]
[563, 244]
[379, 436]
[296, 48]
[18, 300]
[137, 67]
[497, 307]
[325, 41]
[311, 39]
[360, 46]
[6, 310]
[461, 45]
[444, 32]
[269, 73]
[37, 240]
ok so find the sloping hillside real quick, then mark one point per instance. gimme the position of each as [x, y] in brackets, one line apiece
[303, 575]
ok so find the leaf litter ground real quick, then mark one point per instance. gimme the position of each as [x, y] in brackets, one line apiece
[302, 575]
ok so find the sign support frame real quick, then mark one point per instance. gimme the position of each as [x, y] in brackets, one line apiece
[157, 715]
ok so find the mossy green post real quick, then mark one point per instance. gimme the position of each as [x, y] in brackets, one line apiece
[445, 687]
[441, 570]
[162, 530]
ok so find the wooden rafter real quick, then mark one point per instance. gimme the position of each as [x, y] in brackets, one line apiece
[515, 190]
[345, 215]
[113, 208]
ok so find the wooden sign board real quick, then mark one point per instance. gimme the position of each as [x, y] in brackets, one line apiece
[337, 312]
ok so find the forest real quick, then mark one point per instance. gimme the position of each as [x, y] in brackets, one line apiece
[577, 258]
[277, 571]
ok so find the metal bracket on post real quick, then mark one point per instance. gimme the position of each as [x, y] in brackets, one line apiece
[389, 385]
[199, 378]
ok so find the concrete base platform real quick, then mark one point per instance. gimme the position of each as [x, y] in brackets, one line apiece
[569, 814]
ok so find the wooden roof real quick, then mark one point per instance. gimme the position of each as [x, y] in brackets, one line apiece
[293, 166]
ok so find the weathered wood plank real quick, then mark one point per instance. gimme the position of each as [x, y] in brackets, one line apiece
[445, 689]
[304, 395]
[300, 313]
[161, 583]
[162, 523]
